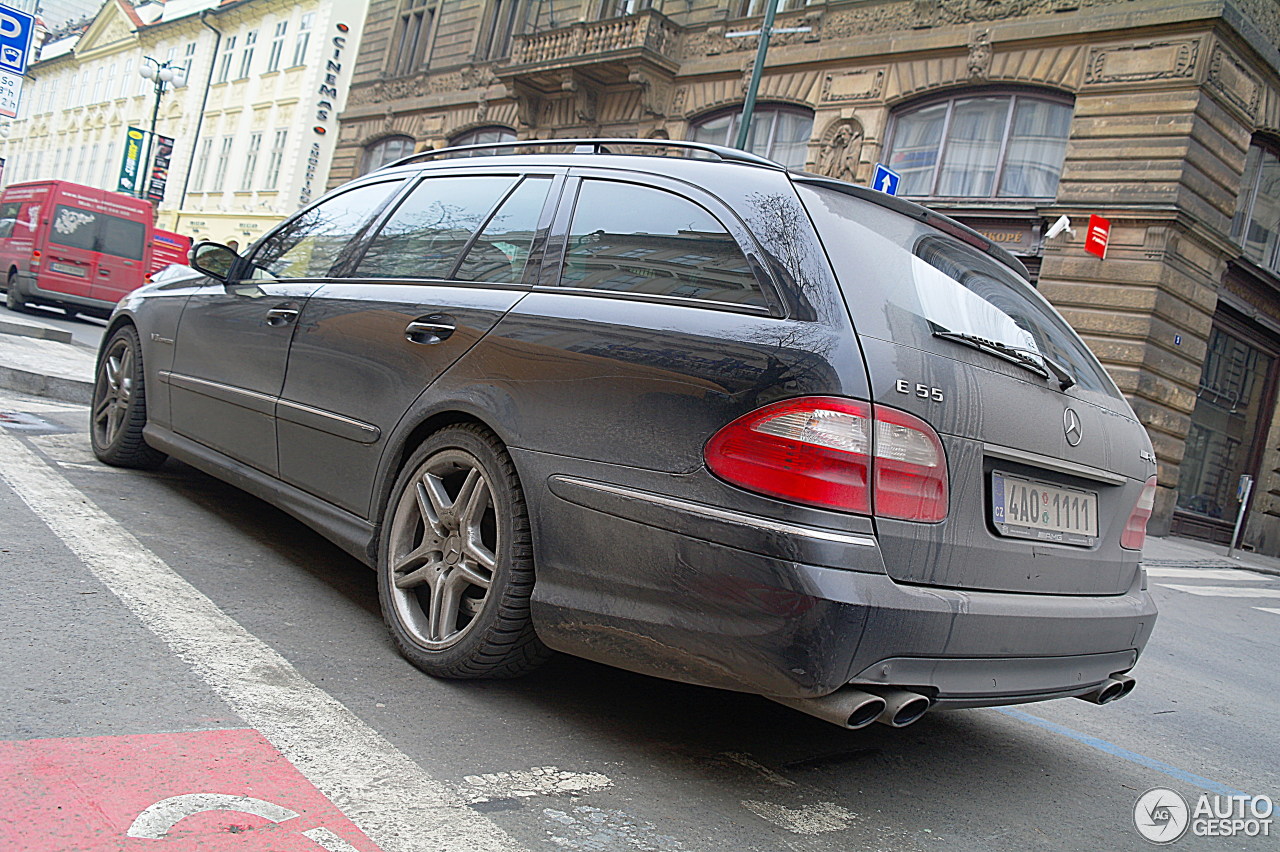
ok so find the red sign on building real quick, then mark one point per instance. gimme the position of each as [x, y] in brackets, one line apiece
[1099, 234]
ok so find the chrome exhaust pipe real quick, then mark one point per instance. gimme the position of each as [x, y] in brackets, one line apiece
[902, 708]
[1111, 689]
[849, 708]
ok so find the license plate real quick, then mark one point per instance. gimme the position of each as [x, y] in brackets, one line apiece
[68, 269]
[1026, 508]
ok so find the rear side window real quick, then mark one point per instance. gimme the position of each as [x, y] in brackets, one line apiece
[501, 251]
[90, 230]
[634, 239]
[426, 234]
[311, 244]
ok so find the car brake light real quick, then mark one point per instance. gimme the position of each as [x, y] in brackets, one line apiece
[833, 453]
[1135, 529]
[35, 258]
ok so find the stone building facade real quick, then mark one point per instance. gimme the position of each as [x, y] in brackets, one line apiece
[1162, 117]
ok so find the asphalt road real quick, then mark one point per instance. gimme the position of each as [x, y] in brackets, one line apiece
[84, 330]
[167, 638]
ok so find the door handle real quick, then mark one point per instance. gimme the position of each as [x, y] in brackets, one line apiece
[433, 329]
[104, 272]
[281, 316]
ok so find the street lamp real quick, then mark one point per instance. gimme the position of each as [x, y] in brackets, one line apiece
[162, 74]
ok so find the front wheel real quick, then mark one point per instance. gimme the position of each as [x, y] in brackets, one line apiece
[455, 565]
[119, 410]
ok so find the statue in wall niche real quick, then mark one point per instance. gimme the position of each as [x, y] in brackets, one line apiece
[840, 154]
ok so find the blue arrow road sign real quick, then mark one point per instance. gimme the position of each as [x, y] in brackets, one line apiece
[886, 179]
[16, 29]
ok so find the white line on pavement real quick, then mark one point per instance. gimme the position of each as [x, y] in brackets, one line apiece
[1226, 591]
[399, 806]
[1204, 574]
[1271, 610]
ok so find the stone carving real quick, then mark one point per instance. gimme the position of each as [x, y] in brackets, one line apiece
[584, 96]
[1230, 78]
[980, 56]
[918, 14]
[653, 93]
[842, 151]
[1133, 63]
[861, 85]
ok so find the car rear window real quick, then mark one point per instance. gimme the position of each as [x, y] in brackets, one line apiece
[905, 282]
[90, 230]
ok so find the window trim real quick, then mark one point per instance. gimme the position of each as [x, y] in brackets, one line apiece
[950, 97]
[1265, 146]
[553, 261]
[773, 108]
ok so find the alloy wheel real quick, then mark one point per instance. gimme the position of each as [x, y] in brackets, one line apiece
[113, 392]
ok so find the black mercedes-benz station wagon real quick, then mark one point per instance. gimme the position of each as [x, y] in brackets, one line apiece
[673, 408]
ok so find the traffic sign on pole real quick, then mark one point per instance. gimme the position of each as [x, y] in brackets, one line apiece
[16, 31]
[885, 179]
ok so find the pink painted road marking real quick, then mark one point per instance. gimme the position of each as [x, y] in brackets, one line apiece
[84, 794]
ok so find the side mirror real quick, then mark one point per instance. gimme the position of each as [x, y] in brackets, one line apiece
[214, 260]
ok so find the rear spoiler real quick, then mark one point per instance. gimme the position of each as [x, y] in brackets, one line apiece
[920, 213]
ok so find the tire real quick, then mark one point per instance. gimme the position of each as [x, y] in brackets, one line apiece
[13, 299]
[119, 410]
[455, 561]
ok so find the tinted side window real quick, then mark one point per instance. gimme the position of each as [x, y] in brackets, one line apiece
[121, 237]
[309, 245]
[74, 227]
[500, 252]
[428, 231]
[639, 240]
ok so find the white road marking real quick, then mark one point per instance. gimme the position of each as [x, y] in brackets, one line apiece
[156, 820]
[814, 819]
[525, 783]
[1271, 610]
[398, 805]
[1226, 591]
[328, 840]
[1204, 574]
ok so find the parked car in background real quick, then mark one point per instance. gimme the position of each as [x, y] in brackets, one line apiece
[70, 246]
[693, 415]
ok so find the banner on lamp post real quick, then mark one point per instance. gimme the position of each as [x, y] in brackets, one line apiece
[160, 168]
[131, 166]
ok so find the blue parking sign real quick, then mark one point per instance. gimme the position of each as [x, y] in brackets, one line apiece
[16, 30]
[885, 179]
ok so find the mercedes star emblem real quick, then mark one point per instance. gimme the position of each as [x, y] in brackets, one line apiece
[1071, 423]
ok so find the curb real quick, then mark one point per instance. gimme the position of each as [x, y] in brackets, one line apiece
[39, 332]
[1219, 562]
[54, 387]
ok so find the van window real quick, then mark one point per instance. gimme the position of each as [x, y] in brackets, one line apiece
[90, 230]
[634, 239]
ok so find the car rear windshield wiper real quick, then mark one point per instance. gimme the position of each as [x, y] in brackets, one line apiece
[1030, 359]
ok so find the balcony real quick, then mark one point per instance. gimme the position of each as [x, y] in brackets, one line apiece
[606, 51]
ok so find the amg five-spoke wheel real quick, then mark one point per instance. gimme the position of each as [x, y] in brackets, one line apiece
[455, 568]
[119, 410]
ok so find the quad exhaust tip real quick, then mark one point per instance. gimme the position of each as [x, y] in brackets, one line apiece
[853, 708]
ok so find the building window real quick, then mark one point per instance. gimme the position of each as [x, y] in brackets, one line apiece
[412, 43]
[224, 63]
[277, 46]
[202, 165]
[189, 58]
[246, 56]
[777, 132]
[220, 168]
[272, 178]
[481, 136]
[618, 8]
[504, 23]
[981, 146]
[98, 80]
[251, 162]
[385, 151]
[750, 8]
[1257, 222]
[304, 38]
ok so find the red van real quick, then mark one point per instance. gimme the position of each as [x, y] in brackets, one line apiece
[75, 247]
[168, 247]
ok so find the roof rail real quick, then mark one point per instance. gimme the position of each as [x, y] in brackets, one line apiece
[596, 146]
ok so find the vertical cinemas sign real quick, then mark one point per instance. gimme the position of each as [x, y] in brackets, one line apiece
[326, 107]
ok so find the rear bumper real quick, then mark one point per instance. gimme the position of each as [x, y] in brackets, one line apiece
[629, 581]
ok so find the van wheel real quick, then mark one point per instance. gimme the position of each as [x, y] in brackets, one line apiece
[455, 562]
[13, 297]
[119, 409]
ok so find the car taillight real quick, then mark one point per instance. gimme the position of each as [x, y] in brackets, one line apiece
[35, 258]
[1135, 529]
[834, 453]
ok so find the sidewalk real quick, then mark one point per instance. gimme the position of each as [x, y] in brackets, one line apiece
[42, 360]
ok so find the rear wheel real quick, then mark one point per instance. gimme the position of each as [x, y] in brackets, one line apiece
[13, 299]
[455, 566]
[119, 410]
